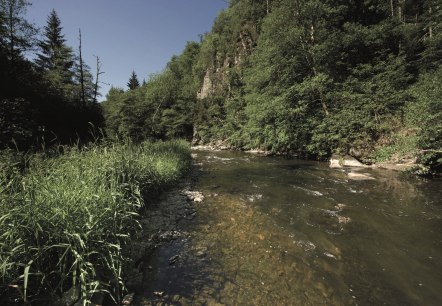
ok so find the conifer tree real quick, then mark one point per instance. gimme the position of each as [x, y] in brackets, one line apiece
[56, 59]
[133, 81]
[17, 33]
[51, 44]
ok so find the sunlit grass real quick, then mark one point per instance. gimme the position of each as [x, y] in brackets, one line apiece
[65, 220]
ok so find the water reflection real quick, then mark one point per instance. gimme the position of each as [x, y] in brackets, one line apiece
[286, 232]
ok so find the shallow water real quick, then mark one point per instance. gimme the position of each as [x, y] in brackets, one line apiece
[273, 231]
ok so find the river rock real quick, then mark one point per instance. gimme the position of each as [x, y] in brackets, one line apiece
[169, 235]
[201, 253]
[337, 161]
[128, 299]
[259, 152]
[194, 196]
[173, 259]
[359, 176]
[69, 297]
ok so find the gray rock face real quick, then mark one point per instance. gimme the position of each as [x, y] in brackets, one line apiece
[207, 88]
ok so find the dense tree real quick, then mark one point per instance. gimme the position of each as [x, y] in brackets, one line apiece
[162, 107]
[424, 115]
[303, 77]
[432, 34]
[38, 100]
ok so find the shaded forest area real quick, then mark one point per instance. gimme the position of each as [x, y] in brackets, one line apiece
[48, 94]
[302, 77]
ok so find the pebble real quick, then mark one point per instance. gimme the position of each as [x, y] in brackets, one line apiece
[173, 259]
[128, 299]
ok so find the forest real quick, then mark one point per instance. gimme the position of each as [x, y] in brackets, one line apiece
[301, 78]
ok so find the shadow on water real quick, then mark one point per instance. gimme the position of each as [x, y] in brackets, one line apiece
[273, 231]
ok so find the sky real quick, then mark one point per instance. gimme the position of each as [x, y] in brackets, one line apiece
[128, 35]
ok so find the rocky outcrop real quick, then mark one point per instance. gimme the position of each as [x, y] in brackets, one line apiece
[216, 75]
[207, 88]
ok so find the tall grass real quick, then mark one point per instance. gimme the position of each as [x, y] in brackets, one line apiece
[64, 221]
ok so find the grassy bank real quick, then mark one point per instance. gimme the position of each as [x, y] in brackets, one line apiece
[64, 220]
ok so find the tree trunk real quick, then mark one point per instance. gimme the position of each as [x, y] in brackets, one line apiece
[11, 34]
[430, 28]
[98, 72]
[82, 92]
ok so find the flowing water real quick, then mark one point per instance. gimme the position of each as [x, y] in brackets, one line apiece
[273, 231]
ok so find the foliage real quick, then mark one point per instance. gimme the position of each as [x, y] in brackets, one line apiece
[41, 100]
[162, 108]
[316, 77]
[17, 33]
[425, 115]
[66, 220]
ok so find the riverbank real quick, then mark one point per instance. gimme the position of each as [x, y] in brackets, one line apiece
[68, 217]
[164, 223]
[336, 161]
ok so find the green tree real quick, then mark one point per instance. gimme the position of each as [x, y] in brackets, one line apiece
[133, 81]
[432, 35]
[18, 32]
[55, 59]
[111, 109]
[424, 114]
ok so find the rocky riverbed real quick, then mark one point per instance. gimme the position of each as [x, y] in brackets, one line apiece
[164, 222]
[273, 231]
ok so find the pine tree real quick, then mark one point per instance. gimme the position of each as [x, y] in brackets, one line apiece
[52, 43]
[17, 33]
[133, 81]
[432, 19]
[56, 59]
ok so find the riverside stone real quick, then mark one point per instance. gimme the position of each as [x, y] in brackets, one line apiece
[359, 176]
[337, 161]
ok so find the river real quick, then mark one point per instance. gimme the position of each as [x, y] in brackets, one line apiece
[274, 231]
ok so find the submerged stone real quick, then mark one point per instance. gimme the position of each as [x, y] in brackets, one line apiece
[359, 176]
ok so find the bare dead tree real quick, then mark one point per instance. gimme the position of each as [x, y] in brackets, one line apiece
[82, 90]
[97, 76]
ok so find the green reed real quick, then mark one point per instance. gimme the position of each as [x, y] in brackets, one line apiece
[65, 220]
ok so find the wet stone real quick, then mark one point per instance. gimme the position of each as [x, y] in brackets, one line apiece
[173, 259]
[128, 299]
